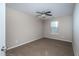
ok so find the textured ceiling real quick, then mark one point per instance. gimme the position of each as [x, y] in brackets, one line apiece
[58, 9]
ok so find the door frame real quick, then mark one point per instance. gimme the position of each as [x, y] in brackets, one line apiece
[2, 30]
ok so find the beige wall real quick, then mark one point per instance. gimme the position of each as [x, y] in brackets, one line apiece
[21, 28]
[76, 30]
[65, 29]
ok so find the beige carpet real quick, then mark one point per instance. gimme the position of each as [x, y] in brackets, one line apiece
[43, 47]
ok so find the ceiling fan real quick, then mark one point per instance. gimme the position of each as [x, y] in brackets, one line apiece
[44, 13]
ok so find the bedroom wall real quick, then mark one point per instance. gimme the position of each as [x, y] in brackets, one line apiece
[76, 30]
[21, 28]
[64, 30]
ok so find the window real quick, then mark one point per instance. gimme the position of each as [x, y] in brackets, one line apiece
[54, 26]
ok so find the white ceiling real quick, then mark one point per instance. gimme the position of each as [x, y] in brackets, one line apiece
[58, 9]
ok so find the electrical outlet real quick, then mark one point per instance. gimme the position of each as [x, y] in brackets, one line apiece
[16, 41]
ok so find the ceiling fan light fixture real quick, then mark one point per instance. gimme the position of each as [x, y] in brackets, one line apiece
[43, 15]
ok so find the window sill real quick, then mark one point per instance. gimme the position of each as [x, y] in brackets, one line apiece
[54, 33]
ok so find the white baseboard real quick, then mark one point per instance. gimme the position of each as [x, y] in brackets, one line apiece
[59, 39]
[21, 44]
[29, 42]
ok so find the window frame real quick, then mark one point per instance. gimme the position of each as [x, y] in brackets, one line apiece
[57, 27]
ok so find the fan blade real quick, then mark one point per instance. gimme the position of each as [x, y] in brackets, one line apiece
[39, 12]
[48, 14]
